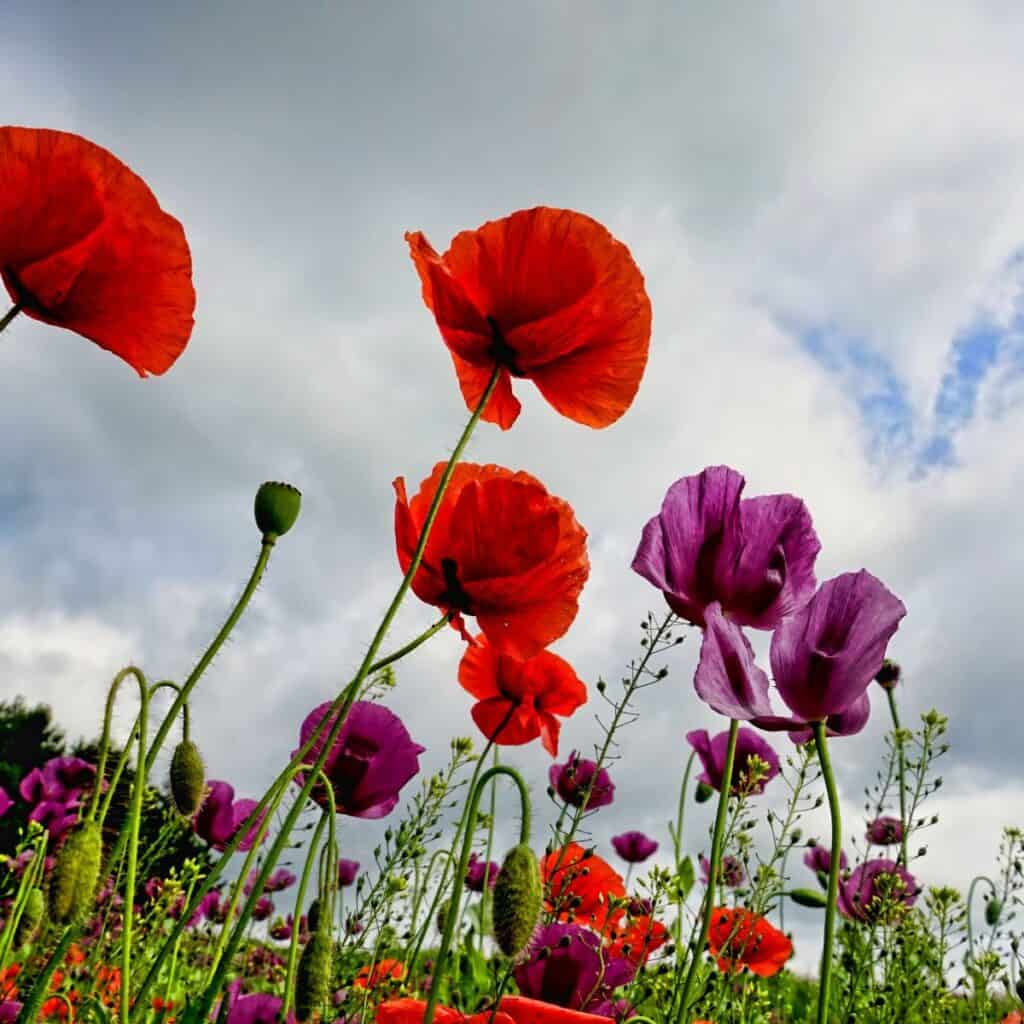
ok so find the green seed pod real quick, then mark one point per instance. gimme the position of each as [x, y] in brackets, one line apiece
[808, 898]
[517, 900]
[74, 878]
[704, 792]
[313, 975]
[993, 911]
[31, 917]
[276, 508]
[188, 778]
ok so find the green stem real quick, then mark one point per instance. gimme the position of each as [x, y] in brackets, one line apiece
[821, 743]
[676, 832]
[9, 316]
[485, 895]
[300, 898]
[410, 646]
[460, 872]
[716, 857]
[970, 898]
[898, 734]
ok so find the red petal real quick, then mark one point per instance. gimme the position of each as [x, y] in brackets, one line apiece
[492, 715]
[478, 671]
[550, 729]
[502, 407]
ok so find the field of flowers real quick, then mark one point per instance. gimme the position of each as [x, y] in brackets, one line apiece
[129, 897]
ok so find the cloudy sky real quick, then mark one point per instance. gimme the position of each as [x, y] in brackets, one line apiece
[826, 201]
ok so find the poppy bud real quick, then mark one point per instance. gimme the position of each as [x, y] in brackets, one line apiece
[188, 778]
[442, 916]
[313, 975]
[31, 917]
[313, 915]
[888, 675]
[808, 898]
[993, 911]
[704, 792]
[276, 507]
[74, 878]
[1020, 988]
[516, 900]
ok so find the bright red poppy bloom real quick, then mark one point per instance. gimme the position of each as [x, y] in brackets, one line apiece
[739, 938]
[548, 295]
[410, 1011]
[641, 937]
[517, 700]
[84, 245]
[582, 888]
[371, 976]
[522, 1010]
[9, 982]
[502, 549]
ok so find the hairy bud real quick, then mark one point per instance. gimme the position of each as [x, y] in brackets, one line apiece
[31, 917]
[188, 778]
[74, 878]
[313, 976]
[516, 900]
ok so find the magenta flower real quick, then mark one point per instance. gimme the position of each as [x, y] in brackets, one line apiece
[9, 1010]
[572, 779]
[727, 678]
[263, 909]
[819, 859]
[221, 816]
[347, 871]
[277, 881]
[634, 847]
[480, 873]
[730, 871]
[873, 888]
[69, 775]
[846, 723]
[754, 557]
[373, 758]
[566, 967]
[257, 1008]
[6, 803]
[55, 816]
[885, 831]
[34, 788]
[748, 745]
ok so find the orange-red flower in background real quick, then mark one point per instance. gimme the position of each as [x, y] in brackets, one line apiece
[581, 888]
[739, 938]
[502, 549]
[517, 700]
[384, 970]
[641, 937]
[410, 1011]
[545, 294]
[534, 1011]
[84, 245]
[9, 982]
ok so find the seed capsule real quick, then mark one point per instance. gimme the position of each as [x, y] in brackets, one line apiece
[313, 975]
[516, 900]
[276, 508]
[31, 917]
[188, 778]
[74, 878]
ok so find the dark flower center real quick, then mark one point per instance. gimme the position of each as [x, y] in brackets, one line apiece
[454, 594]
[501, 350]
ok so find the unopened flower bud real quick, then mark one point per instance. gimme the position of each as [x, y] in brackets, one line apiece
[888, 675]
[704, 792]
[31, 917]
[276, 507]
[516, 900]
[993, 911]
[313, 915]
[188, 778]
[74, 878]
[313, 976]
[808, 898]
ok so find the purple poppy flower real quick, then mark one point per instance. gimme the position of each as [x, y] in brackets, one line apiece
[257, 1008]
[277, 881]
[207, 910]
[347, 871]
[730, 871]
[888, 676]
[573, 972]
[55, 816]
[34, 788]
[9, 1010]
[6, 803]
[634, 847]
[221, 816]
[755, 557]
[479, 873]
[616, 1009]
[826, 655]
[885, 831]
[748, 745]
[372, 759]
[845, 723]
[263, 909]
[68, 775]
[873, 887]
[640, 906]
[819, 859]
[727, 678]
[571, 780]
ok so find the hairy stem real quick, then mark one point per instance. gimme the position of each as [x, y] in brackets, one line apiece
[825, 975]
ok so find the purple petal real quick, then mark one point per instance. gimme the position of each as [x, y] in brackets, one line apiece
[727, 679]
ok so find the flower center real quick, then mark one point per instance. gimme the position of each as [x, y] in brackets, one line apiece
[501, 350]
[454, 594]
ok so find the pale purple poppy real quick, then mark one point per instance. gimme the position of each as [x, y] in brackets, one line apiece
[749, 744]
[566, 966]
[373, 758]
[572, 779]
[634, 847]
[480, 873]
[221, 816]
[754, 557]
[55, 816]
[885, 831]
[730, 871]
[347, 871]
[874, 886]
[819, 859]
[6, 803]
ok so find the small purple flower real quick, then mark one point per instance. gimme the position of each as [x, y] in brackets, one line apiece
[730, 871]
[616, 1009]
[373, 758]
[208, 909]
[640, 906]
[479, 873]
[263, 909]
[749, 744]
[55, 816]
[221, 816]
[819, 859]
[277, 881]
[153, 888]
[6, 803]
[257, 1008]
[34, 788]
[69, 775]
[755, 557]
[573, 972]
[634, 847]
[347, 871]
[885, 831]
[873, 887]
[9, 1010]
[572, 779]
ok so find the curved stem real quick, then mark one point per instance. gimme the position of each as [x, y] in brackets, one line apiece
[898, 735]
[411, 645]
[300, 896]
[9, 316]
[970, 898]
[716, 857]
[472, 805]
[825, 975]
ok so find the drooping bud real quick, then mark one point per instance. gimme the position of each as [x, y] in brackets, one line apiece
[31, 917]
[888, 675]
[442, 915]
[74, 878]
[276, 507]
[188, 778]
[993, 911]
[516, 900]
[808, 898]
[313, 975]
[704, 792]
[313, 915]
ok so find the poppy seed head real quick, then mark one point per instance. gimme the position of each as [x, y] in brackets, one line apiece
[276, 508]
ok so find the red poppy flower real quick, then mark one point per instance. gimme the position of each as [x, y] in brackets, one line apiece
[522, 1010]
[9, 982]
[548, 295]
[502, 549]
[517, 700]
[739, 938]
[641, 937]
[84, 245]
[410, 1011]
[384, 970]
[582, 888]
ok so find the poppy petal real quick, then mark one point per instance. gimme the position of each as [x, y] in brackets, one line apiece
[502, 408]
[517, 728]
